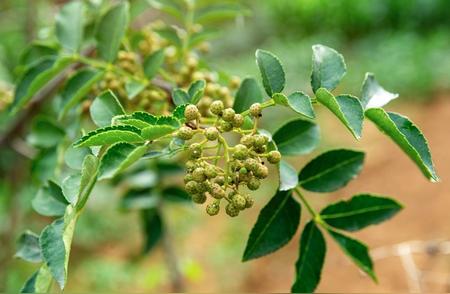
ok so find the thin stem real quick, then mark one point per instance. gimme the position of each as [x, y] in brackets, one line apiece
[265, 104]
[314, 214]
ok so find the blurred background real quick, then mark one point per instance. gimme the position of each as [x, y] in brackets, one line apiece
[406, 43]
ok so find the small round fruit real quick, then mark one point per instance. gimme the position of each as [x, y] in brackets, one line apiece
[260, 140]
[213, 208]
[187, 178]
[204, 186]
[274, 157]
[251, 164]
[199, 174]
[216, 107]
[228, 114]
[225, 126]
[261, 172]
[238, 201]
[217, 191]
[253, 184]
[185, 133]
[238, 120]
[199, 198]
[220, 180]
[195, 151]
[210, 172]
[255, 110]
[231, 210]
[260, 149]
[243, 171]
[248, 201]
[191, 187]
[240, 152]
[191, 112]
[247, 140]
[211, 133]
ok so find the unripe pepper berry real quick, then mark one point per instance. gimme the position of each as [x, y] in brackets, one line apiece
[228, 115]
[274, 157]
[217, 191]
[261, 172]
[255, 110]
[247, 140]
[260, 140]
[238, 201]
[191, 187]
[199, 198]
[251, 164]
[240, 152]
[216, 107]
[231, 210]
[195, 151]
[225, 126]
[249, 201]
[210, 172]
[211, 133]
[190, 165]
[238, 120]
[213, 208]
[187, 178]
[185, 133]
[191, 112]
[199, 174]
[253, 184]
[220, 180]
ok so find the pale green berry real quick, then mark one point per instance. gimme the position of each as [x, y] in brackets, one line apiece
[216, 107]
[253, 184]
[190, 165]
[238, 120]
[261, 172]
[188, 178]
[228, 115]
[260, 149]
[195, 151]
[191, 112]
[199, 198]
[204, 186]
[213, 208]
[217, 191]
[220, 180]
[274, 157]
[255, 110]
[211, 133]
[231, 210]
[243, 171]
[238, 201]
[260, 140]
[199, 174]
[251, 164]
[191, 187]
[248, 201]
[225, 126]
[210, 172]
[185, 133]
[240, 152]
[247, 140]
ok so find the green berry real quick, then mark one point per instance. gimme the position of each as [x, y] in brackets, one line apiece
[231, 210]
[190, 165]
[191, 112]
[204, 186]
[210, 172]
[216, 107]
[213, 208]
[191, 187]
[225, 126]
[248, 201]
[251, 164]
[199, 198]
[240, 152]
[261, 172]
[238, 120]
[274, 157]
[247, 140]
[255, 110]
[260, 140]
[188, 178]
[238, 201]
[260, 149]
[253, 184]
[185, 133]
[220, 180]
[228, 115]
[195, 151]
[217, 191]
[211, 133]
[199, 174]
[243, 171]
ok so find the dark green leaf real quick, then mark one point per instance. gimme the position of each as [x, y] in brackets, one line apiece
[157, 131]
[247, 94]
[276, 225]
[196, 90]
[111, 30]
[407, 136]
[357, 251]
[373, 95]
[69, 25]
[175, 194]
[45, 133]
[110, 135]
[39, 282]
[178, 112]
[331, 170]
[153, 63]
[297, 137]
[50, 200]
[309, 265]
[360, 211]
[118, 157]
[180, 97]
[37, 52]
[272, 72]
[328, 68]
[77, 87]
[28, 247]
[139, 199]
[44, 164]
[104, 108]
[288, 176]
[301, 103]
[346, 107]
[153, 228]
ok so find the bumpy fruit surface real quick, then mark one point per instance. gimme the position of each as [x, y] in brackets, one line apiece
[185, 133]
[191, 112]
[274, 157]
[255, 110]
[216, 107]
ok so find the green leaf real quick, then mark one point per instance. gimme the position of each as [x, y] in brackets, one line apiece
[272, 72]
[328, 68]
[280, 99]
[157, 131]
[28, 247]
[71, 188]
[175, 194]
[39, 282]
[36, 77]
[247, 94]
[308, 267]
[138, 119]
[373, 95]
[74, 157]
[359, 212]
[104, 108]
[178, 112]
[288, 176]
[36, 52]
[276, 225]
[407, 136]
[346, 107]
[301, 103]
[170, 7]
[171, 35]
[69, 25]
[180, 97]
[331, 170]
[196, 90]
[357, 251]
[153, 63]
[297, 137]
[134, 88]
[111, 30]
[118, 157]
[44, 164]
[45, 133]
[139, 199]
[219, 12]
[153, 228]
[77, 87]
[55, 242]
[50, 200]
[110, 135]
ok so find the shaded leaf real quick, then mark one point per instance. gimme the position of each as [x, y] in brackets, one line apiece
[118, 157]
[196, 90]
[39, 282]
[153, 63]
[153, 228]
[288, 176]
[139, 199]
[301, 103]
[297, 137]
[45, 133]
[328, 68]
[180, 97]
[88, 179]
[134, 88]
[69, 25]
[157, 131]
[170, 34]
[28, 247]
[50, 200]
[373, 95]
[175, 194]
[272, 72]
[74, 156]
[247, 94]
[104, 108]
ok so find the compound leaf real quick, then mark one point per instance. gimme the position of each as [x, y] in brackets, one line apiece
[328, 68]
[118, 157]
[301, 103]
[247, 94]
[297, 137]
[110, 135]
[272, 72]
[104, 108]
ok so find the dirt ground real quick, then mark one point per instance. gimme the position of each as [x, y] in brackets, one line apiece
[425, 216]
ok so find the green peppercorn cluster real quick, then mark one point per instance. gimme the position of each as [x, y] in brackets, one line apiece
[217, 171]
